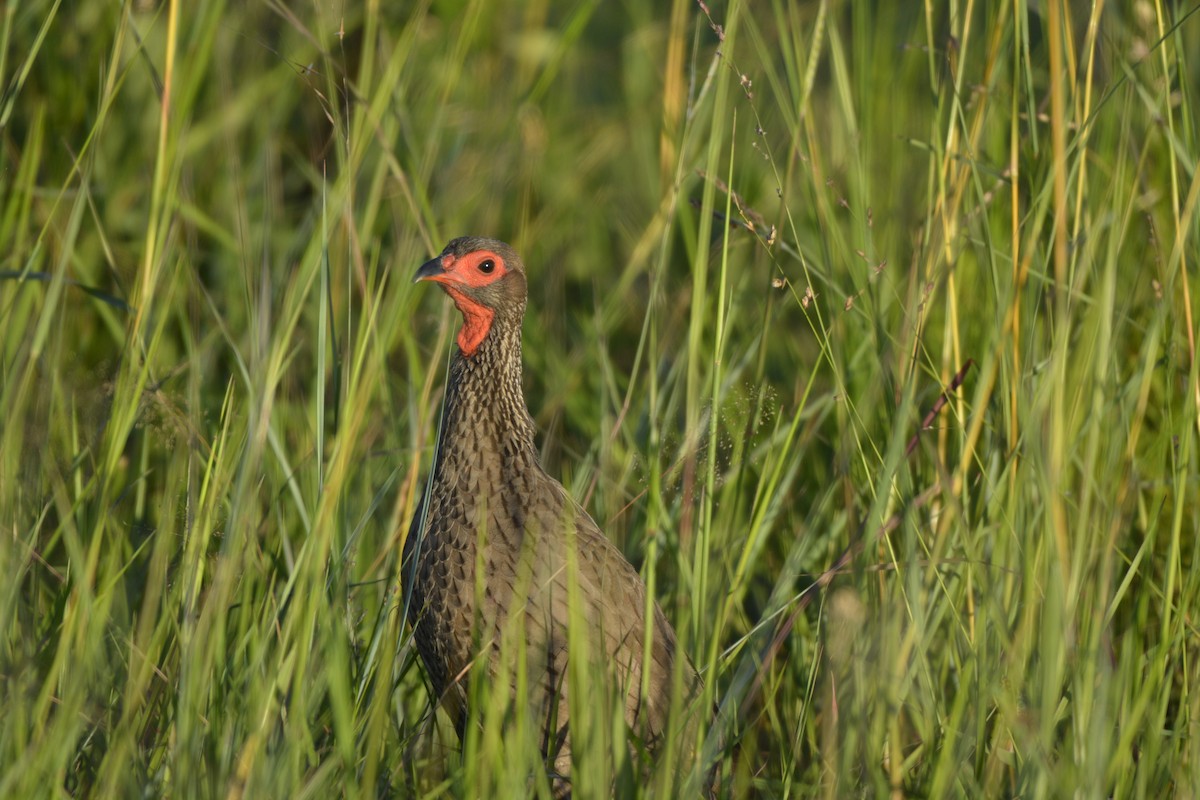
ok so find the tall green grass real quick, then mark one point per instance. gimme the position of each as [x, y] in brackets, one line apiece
[764, 240]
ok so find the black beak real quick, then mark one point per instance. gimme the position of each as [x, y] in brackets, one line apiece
[430, 269]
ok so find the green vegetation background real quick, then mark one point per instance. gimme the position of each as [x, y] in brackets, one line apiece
[218, 388]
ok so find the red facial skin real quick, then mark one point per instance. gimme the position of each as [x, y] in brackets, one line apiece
[465, 271]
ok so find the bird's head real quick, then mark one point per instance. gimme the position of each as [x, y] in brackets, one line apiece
[486, 280]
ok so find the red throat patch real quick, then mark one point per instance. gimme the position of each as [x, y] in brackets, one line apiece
[477, 321]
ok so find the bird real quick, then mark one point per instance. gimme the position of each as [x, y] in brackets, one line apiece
[489, 505]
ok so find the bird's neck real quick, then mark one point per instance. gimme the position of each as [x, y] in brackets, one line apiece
[485, 414]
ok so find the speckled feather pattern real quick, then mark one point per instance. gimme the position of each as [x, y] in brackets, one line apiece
[491, 505]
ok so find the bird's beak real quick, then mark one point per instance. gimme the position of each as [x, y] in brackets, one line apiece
[430, 270]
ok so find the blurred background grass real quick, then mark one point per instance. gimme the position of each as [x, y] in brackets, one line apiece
[219, 389]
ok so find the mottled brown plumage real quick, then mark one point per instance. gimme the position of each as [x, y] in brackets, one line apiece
[491, 504]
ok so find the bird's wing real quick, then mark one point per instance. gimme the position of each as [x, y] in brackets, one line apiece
[612, 597]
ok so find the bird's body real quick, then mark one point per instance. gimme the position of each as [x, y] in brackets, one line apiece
[498, 545]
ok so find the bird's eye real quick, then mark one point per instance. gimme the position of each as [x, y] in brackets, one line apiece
[487, 266]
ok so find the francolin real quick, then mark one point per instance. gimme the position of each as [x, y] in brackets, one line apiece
[490, 506]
